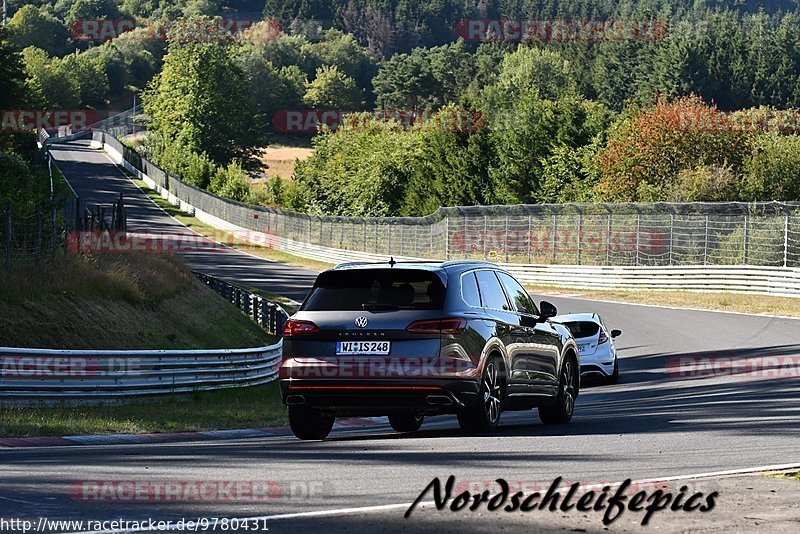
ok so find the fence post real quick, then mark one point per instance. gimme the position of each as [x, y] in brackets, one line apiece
[608, 236]
[580, 234]
[505, 241]
[530, 237]
[638, 234]
[671, 235]
[485, 237]
[786, 240]
[37, 233]
[745, 247]
[555, 233]
[447, 237]
[705, 244]
[52, 227]
[7, 236]
[430, 235]
[466, 233]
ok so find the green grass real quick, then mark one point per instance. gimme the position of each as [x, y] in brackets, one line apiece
[220, 235]
[118, 301]
[253, 407]
[794, 476]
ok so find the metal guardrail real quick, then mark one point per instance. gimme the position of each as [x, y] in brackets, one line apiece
[261, 311]
[89, 375]
[776, 281]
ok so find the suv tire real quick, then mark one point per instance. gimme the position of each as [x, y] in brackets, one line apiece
[307, 423]
[484, 416]
[561, 412]
[406, 422]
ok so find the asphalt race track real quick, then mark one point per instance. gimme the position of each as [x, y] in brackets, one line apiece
[654, 423]
[97, 181]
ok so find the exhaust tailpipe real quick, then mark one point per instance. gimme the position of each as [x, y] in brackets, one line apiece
[438, 400]
[295, 399]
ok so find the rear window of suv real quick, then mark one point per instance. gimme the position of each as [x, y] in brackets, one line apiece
[364, 289]
[583, 328]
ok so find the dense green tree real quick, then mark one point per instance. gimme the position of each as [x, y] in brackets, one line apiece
[31, 26]
[202, 94]
[12, 72]
[343, 52]
[451, 165]
[49, 80]
[533, 107]
[333, 89]
[92, 9]
[362, 168]
[425, 78]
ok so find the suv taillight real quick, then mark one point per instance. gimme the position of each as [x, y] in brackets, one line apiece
[454, 325]
[603, 337]
[296, 327]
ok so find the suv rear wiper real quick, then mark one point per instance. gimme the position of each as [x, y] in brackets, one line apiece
[379, 307]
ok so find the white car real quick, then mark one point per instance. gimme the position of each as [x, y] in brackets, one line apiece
[595, 345]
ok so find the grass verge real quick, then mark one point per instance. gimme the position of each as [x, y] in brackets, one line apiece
[253, 407]
[118, 301]
[734, 302]
[225, 237]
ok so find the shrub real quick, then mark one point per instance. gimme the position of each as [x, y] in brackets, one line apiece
[772, 171]
[648, 149]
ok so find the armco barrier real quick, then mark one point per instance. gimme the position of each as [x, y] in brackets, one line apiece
[776, 279]
[261, 311]
[102, 375]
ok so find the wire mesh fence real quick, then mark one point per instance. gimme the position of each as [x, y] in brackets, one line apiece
[32, 235]
[647, 234]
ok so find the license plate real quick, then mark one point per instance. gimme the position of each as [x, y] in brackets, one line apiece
[363, 347]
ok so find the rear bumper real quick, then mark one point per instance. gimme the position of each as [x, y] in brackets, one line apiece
[380, 397]
[596, 370]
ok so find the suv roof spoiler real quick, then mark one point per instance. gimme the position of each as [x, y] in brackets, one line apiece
[392, 262]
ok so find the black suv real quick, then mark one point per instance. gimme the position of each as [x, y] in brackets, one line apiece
[413, 339]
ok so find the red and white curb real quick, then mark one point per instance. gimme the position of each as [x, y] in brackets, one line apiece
[174, 437]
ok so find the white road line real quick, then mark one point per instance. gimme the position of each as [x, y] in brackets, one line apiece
[18, 500]
[677, 307]
[404, 506]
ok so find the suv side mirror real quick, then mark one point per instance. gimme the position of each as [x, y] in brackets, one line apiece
[616, 333]
[547, 310]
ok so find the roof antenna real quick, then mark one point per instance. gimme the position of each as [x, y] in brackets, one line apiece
[391, 261]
